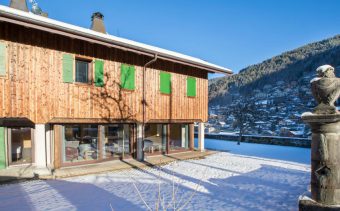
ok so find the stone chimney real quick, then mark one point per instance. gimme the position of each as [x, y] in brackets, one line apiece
[19, 5]
[98, 23]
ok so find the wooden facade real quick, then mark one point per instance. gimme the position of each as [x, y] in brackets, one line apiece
[33, 87]
[100, 118]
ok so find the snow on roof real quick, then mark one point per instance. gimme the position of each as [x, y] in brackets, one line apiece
[297, 133]
[259, 122]
[36, 19]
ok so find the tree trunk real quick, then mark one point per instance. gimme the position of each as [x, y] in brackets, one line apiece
[240, 136]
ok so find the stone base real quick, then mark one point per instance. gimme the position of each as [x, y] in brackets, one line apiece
[308, 204]
[41, 172]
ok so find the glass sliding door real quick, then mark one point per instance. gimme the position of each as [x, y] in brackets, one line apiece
[20, 145]
[116, 143]
[179, 137]
[80, 142]
[155, 139]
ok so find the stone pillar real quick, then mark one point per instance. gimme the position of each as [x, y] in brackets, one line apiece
[325, 162]
[40, 151]
[140, 144]
[48, 146]
[201, 136]
[191, 136]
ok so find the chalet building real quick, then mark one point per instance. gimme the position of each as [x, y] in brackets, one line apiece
[74, 96]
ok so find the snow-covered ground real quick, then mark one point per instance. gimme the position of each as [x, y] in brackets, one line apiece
[286, 153]
[223, 181]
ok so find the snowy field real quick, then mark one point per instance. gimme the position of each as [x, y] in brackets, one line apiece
[235, 180]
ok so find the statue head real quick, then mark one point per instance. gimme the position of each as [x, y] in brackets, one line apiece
[325, 71]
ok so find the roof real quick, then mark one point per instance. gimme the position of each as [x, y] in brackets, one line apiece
[27, 19]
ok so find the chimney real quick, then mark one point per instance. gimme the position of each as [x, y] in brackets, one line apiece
[98, 22]
[19, 5]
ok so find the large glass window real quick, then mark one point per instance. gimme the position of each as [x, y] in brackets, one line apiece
[155, 139]
[20, 142]
[116, 143]
[80, 143]
[179, 137]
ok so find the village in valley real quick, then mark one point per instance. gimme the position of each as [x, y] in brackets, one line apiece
[281, 105]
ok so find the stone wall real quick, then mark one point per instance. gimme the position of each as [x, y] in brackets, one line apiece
[273, 140]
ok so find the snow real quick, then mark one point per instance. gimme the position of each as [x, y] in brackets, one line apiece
[234, 180]
[30, 17]
[324, 68]
[315, 79]
[258, 136]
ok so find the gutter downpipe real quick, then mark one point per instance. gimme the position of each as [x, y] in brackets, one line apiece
[144, 101]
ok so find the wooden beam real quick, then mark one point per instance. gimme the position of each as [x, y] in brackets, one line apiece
[57, 146]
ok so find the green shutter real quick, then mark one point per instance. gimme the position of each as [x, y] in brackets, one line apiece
[191, 87]
[2, 59]
[127, 77]
[165, 83]
[2, 148]
[99, 73]
[68, 63]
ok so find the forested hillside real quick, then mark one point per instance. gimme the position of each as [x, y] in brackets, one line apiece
[279, 87]
[291, 66]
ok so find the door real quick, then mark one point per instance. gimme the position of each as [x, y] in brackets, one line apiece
[2, 148]
[20, 145]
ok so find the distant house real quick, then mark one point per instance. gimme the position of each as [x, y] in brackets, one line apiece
[211, 129]
[222, 124]
[74, 96]
[280, 83]
[213, 116]
[290, 133]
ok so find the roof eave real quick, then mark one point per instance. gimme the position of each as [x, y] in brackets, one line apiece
[95, 37]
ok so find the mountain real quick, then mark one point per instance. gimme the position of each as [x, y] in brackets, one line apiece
[279, 86]
[288, 67]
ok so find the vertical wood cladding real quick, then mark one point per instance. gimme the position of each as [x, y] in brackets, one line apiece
[33, 86]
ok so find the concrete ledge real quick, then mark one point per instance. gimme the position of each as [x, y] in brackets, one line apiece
[16, 173]
[27, 172]
[308, 204]
[117, 165]
[272, 140]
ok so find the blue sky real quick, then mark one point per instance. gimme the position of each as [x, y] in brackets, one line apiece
[230, 33]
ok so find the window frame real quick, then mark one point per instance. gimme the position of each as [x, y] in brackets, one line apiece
[89, 70]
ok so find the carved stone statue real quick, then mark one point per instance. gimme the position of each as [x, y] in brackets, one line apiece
[325, 157]
[326, 90]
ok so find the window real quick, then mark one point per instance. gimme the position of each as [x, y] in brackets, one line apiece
[165, 83]
[80, 143]
[155, 139]
[82, 71]
[179, 137]
[116, 142]
[191, 87]
[127, 77]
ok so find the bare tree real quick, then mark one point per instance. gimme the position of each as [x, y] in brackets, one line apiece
[245, 113]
